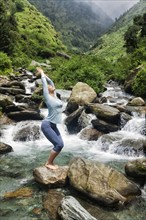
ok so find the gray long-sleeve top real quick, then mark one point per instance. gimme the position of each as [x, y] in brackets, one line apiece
[54, 104]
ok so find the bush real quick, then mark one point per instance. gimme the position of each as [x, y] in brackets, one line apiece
[139, 84]
[5, 64]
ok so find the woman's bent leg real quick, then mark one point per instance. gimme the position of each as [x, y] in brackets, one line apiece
[52, 133]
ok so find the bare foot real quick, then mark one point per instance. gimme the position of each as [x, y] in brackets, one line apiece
[51, 166]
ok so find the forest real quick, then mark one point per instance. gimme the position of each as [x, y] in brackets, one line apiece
[26, 35]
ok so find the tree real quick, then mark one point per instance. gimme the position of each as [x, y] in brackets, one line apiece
[8, 26]
[131, 39]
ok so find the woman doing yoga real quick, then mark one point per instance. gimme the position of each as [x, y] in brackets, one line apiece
[49, 124]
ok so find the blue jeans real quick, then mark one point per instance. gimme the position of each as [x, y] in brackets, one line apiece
[52, 133]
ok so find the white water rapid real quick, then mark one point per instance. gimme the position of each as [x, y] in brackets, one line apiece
[115, 148]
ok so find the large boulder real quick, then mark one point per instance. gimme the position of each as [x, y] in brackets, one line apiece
[103, 126]
[71, 121]
[138, 101]
[25, 115]
[104, 112]
[101, 183]
[82, 94]
[70, 209]
[121, 144]
[11, 91]
[28, 131]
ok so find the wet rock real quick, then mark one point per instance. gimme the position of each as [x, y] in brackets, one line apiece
[70, 209]
[52, 201]
[28, 132]
[14, 84]
[71, 107]
[5, 148]
[20, 193]
[104, 112]
[101, 183]
[138, 101]
[125, 118]
[11, 91]
[128, 146]
[13, 108]
[103, 126]
[25, 115]
[5, 101]
[71, 121]
[51, 178]
[5, 120]
[82, 94]
[90, 134]
[136, 169]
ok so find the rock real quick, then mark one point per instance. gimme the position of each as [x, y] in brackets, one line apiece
[70, 209]
[5, 120]
[52, 201]
[104, 126]
[27, 132]
[71, 121]
[14, 108]
[90, 134]
[101, 183]
[5, 101]
[25, 115]
[66, 56]
[5, 148]
[11, 91]
[104, 112]
[136, 169]
[14, 84]
[82, 94]
[71, 107]
[20, 193]
[129, 146]
[138, 101]
[51, 178]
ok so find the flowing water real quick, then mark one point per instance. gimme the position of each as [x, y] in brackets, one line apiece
[114, 149]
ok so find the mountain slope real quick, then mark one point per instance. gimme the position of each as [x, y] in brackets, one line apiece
[35, 37]
[110, 45]
[77, 22]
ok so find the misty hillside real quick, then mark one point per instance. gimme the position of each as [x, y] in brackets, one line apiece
[79, 25]
[110, 45]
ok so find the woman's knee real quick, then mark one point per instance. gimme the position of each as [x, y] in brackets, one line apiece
[58, 147]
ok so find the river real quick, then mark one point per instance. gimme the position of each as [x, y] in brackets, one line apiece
[17, 166]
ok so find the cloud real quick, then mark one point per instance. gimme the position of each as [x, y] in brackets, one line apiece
[115, 8]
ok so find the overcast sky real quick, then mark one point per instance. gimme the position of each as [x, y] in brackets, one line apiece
[115, 8]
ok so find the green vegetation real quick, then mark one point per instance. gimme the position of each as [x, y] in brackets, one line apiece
[26, 34]
[85, 68]
[79, 25]
[5, 64]
[139, 84]
[116, 55]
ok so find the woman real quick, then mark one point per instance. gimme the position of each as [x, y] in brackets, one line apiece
[49, 125]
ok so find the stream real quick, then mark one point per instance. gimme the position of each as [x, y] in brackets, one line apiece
[16, 167]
